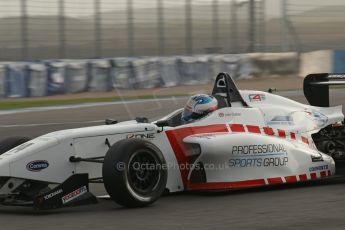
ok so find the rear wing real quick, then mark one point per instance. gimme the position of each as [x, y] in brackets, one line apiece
[316, 87]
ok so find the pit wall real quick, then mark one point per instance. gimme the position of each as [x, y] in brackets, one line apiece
[51, 77]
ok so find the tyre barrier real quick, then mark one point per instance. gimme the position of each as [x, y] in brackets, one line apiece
[51, 77]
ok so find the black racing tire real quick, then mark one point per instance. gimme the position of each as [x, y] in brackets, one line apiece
[128, 175]
[11, 142]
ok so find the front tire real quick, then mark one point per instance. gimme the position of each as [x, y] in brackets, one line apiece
[12, 142]
[134, 173]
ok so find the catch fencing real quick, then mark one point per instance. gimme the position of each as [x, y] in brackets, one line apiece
[307, 26]
[75, 29]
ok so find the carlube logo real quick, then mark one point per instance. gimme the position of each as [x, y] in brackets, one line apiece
[36, 166]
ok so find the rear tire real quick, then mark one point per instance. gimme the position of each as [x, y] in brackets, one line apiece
[128, 175]
[11, 142]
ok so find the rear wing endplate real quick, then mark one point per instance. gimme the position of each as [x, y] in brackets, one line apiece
[316, 87]
[225, 86]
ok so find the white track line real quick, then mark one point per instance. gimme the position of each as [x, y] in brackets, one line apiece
[49, 124]
[48, 108]
[64, 123]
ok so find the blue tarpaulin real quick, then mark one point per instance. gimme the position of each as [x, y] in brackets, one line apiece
[339, 61]
[2, 79]
[16, 81]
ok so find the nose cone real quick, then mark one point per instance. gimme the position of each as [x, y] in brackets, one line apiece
[23, 151]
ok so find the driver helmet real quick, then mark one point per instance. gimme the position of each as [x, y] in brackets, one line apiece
[198, 106]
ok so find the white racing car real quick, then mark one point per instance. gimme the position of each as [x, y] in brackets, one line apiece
[253, 139]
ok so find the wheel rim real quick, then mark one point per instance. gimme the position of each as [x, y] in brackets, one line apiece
[143, 171]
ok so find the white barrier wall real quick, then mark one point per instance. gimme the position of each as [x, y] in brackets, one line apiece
[316, 62]
[270, 64]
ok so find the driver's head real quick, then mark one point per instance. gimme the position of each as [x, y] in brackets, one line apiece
[198, 106]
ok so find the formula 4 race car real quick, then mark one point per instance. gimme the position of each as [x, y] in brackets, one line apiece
[253, 139]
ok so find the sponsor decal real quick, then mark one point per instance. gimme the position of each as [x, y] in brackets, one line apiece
[316, 157]
[40, 200]
[319, 118]
[141, 135]
[259, 162]
[318, 168]
[208, 135]
[221, 83]
[73, 195]
[265, 155]
[232, 114]
[53, 194]
[281, 120]
[337, 76]
[37, 166]
[257, 97]
[258, 149]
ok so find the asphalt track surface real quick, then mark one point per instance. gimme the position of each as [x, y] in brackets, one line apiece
[319, 205]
